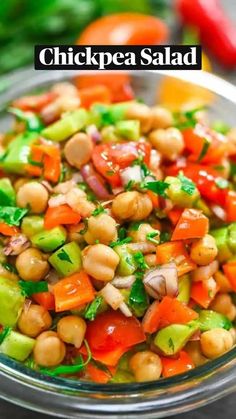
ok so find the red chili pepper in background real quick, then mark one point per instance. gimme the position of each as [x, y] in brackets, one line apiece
[217, 31]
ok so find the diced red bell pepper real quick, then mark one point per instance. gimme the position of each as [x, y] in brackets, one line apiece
[191, 225]
[229, 269]
[174, 366]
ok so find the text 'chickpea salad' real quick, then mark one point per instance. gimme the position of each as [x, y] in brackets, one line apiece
[117, 236]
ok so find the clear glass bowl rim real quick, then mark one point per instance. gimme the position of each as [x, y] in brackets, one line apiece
[172, 391]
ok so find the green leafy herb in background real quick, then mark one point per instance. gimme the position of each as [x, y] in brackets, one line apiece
[12, 215]
[29, 287]
[24, 23]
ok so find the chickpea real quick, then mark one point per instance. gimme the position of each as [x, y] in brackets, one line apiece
[60, 105]
[223, 304]
[49, 350]
[31, 265]
[65, 89]
[161, 117]
[100, 262]
[222, 282]
[132, 206]
[74, 233]
[71, 329]
[233, 334]
[151, 260]
[169, 142]
[7, 274]
[216, 342]
[34, 195]
[20, 182]
[194, 350]
[140, 235]
[204, 250]
[146, 366]
[77, 200]
[34, 321]
[142, 113]
[101, 227]
[78, 150]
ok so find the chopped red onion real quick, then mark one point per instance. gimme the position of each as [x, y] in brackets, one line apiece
[219, 212]
[93, 132]
[94, 181]
[132, 173]
[16, 245]
[141, 247]
[123, 281]
[56, 201]
[162, 281]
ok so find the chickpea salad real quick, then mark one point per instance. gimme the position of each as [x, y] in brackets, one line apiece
[117, 237]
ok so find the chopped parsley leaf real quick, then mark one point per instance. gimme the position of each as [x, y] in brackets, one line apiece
[171, 344]
[92, 309]
[129, 185]
[62, 255]
[204, 149]
[30, 287]
[159, 187]
[187, 184]
[4, 333]
[98, 210]
[153, 237]
[221, 183]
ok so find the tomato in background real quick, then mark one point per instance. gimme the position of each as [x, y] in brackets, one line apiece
[120, 29]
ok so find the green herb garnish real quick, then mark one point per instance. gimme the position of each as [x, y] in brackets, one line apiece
[187, 184]
[138, 300]
[98, 210]
[152, 237]
[171, 344]
[164, 237]
[29, 287]
[140, 261]
[129, 186]
[122, 238]
[92, 309]
[221, 183]
[158, 186]
[184, 120]
[12, 215]
[4, 333]
[78, 366]
[64, 256]
[205, 147]
[9, 267]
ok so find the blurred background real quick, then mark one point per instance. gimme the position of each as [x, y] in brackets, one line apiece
[24, 23]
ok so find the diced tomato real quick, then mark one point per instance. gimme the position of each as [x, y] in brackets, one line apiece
[109, 159]
[173, 366]
[174, 215]
[191, 225]
[230, 206]
[168, 311]
[108, 357]
[205, 179]
[204, 292]
[201, 137]
[111, 329]
[97, 375]
[7, 230]
[92, 94]
[34, 103]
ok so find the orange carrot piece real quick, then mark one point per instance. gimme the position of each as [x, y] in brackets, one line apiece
[176, 252]
[72, 291]
[90, 95]
[191, 225]
[7, 230]
[230, 272]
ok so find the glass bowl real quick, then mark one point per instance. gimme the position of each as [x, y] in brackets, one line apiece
[78, 399]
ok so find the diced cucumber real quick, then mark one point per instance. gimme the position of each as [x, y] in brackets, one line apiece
[71, 123]
[129, 129]
[127, 265]
[171, 339]
[7, 193]
[32, 225]
[221, 236]
[17, 346]
[11, 302]
[49, 240]
[67, 259]
[209, 319]
[184, 289]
